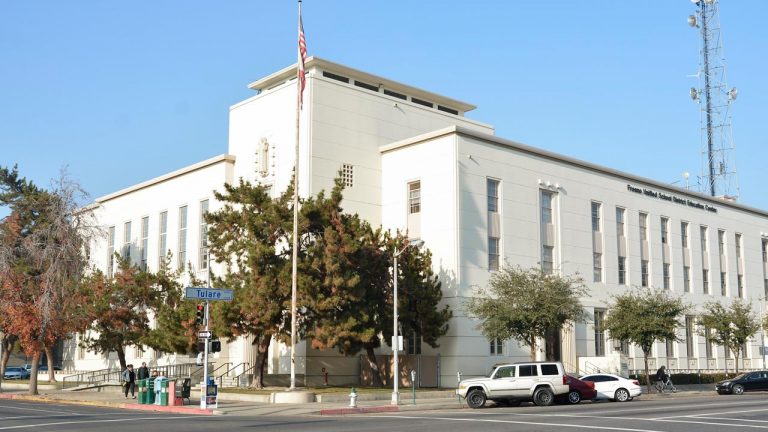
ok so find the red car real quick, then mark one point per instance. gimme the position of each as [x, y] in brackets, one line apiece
[579, 390]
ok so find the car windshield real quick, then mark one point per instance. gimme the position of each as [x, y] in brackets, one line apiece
[13, 369]
[740, 376]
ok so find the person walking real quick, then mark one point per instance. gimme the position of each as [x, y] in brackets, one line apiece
[143, 372]
[129, 380]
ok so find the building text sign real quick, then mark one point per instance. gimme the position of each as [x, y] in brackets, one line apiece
[671, 198]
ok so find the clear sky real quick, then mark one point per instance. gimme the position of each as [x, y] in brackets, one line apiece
[121, 92]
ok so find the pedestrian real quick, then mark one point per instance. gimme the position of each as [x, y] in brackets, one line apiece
[129, 381]
[143, 372]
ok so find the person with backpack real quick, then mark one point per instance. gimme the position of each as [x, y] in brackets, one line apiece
[129, 381]
[143, 371]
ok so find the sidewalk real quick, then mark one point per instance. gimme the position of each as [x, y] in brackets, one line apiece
[339, 406]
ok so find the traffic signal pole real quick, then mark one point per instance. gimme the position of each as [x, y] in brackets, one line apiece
[204, 387]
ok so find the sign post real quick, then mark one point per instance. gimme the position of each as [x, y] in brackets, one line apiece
[208, 294]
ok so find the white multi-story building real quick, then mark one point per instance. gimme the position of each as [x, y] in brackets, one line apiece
[411, 160]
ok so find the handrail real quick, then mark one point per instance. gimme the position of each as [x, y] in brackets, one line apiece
[236, 366]
[244, 372]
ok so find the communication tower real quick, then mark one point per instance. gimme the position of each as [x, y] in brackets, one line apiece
[718, 162]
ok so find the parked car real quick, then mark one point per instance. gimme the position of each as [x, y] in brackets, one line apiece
[750, 381]
[510, 384]
[578, 390]
[40, 368]
[614, 387]
[44, 368]
[12, 373]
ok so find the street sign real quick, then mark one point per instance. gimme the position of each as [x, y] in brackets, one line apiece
[210, 294]
[204, 334]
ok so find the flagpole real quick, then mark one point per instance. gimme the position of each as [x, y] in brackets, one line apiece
[294, 270]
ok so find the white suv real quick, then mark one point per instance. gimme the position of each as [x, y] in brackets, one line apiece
[511, 384]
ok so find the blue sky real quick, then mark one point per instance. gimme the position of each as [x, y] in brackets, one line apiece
[121, 92]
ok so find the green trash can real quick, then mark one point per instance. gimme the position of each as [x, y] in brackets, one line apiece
[150, 398]
[164, 392]
[142, 391]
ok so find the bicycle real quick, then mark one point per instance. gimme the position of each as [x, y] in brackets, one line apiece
[662, 386]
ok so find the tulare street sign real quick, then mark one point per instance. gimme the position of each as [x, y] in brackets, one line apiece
[210, 294]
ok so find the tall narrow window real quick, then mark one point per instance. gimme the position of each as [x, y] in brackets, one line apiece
[126, 253]
[723, 283]
[686, 279]
[413, 346]
[644, 273]
[664, 230]
[705, 281]
[547, 259]
[738, 246]
[620, 222]
[721, 241]
[182, 258]
[643, 226]
[162, 241]
[597, 266]
[203, 257]
[703, 233]
[689, 336]
[546, 207]
[111, 252]
[144, 241]
[599, 318]
[595, 216]
[765, 250]
[493, 195]
[493, 253]
[670, 348]
[740, 285]
[622, 270]
[708, 343]
[264, 157]
[684, 234]
[665, 270]
[414, 197]
[496, 347]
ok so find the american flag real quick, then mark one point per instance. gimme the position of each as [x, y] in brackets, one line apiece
[302, 58]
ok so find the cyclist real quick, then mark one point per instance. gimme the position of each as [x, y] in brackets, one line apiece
[662, 378]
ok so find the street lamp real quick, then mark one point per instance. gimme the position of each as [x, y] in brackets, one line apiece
[395, 339]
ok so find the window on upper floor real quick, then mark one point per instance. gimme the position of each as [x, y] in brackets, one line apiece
[414, 197]
[596, 210]
[492, 187]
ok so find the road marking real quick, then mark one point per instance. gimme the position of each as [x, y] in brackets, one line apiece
[734, 419]
[56, 415]
[662, 419]
[93, 421]
[518, 422]
[44, 410]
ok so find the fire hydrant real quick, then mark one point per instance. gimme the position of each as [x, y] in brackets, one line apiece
[353, 398]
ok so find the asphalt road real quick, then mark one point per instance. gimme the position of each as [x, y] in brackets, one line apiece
[702, 414]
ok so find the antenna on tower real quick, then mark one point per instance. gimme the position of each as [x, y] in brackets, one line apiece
[718, 162]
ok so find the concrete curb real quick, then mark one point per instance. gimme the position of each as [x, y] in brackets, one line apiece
[104, 404]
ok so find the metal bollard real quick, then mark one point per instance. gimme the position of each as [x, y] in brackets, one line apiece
[353, 398]
[413, 385]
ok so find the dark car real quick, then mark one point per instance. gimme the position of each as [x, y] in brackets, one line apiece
[750, 381]
[44, 368]
[578, 390]
[18, 373]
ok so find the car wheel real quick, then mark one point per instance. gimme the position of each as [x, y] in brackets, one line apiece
[574, 397]
[476, 398]
[738, 389]
[543, 397]
[621, 395]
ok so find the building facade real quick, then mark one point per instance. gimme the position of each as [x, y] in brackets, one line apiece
[411, 160]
